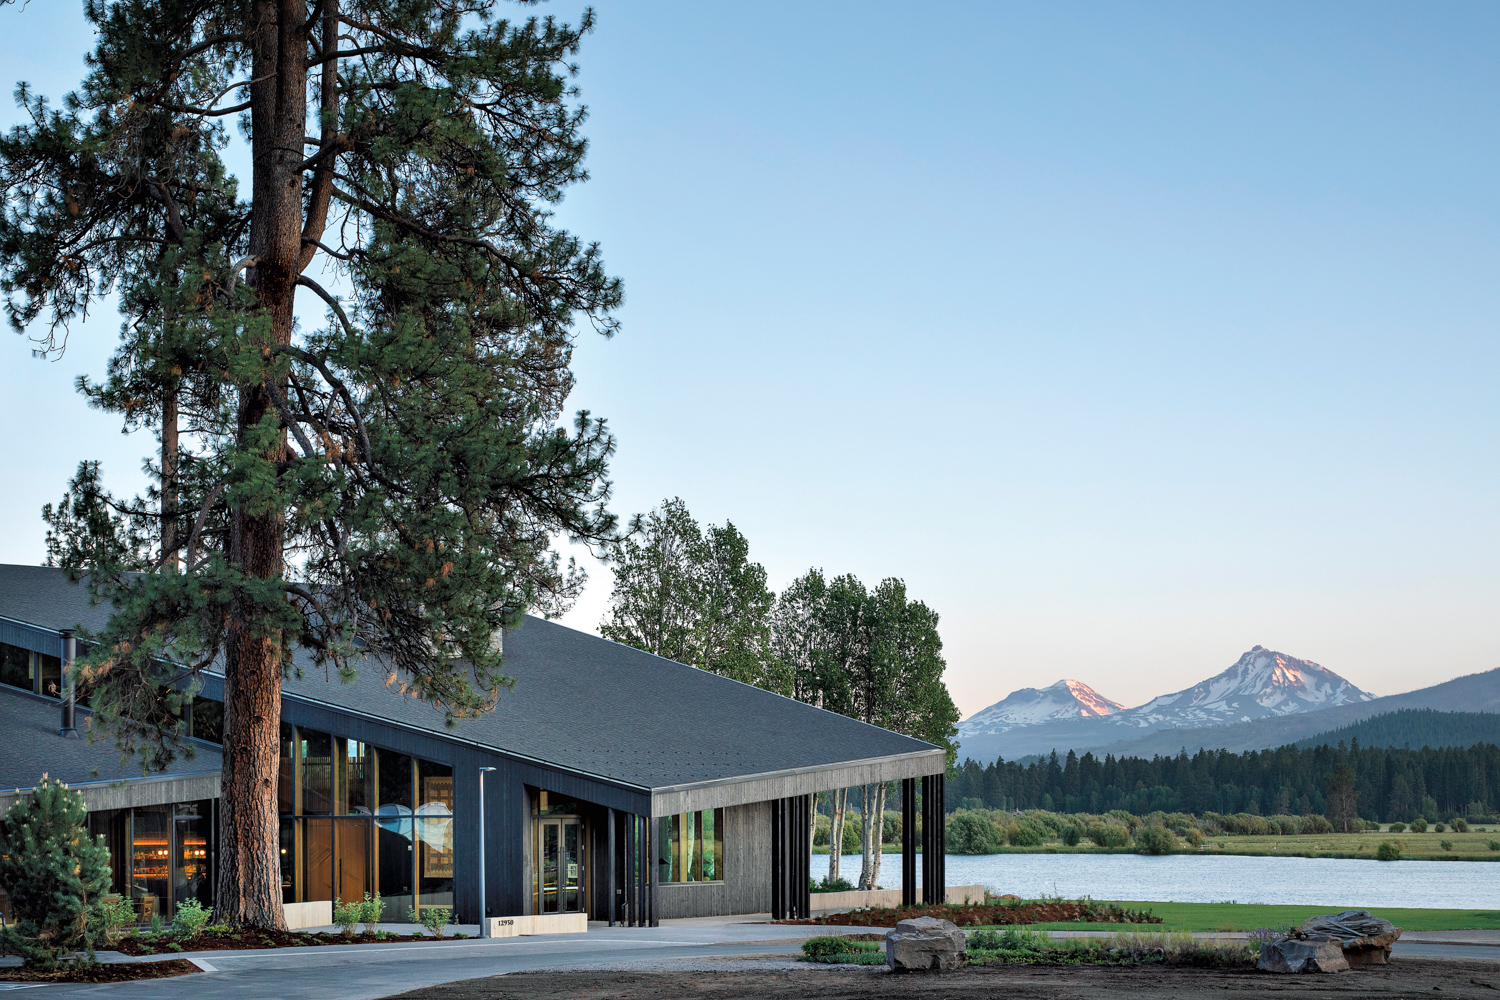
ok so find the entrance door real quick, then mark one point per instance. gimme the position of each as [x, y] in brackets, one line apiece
[560, 865]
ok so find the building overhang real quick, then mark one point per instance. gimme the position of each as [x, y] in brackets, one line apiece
[669, 800]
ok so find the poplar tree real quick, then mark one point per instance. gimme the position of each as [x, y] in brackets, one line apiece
[381, 489]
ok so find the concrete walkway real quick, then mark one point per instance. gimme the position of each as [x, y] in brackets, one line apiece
[370, 971]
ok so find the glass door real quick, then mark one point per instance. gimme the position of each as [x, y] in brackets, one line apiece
[560, 865]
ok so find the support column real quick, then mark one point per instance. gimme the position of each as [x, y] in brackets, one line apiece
[611, 899]
[940, 811]
[804, 853]
[653, 873]
[778, 905]
[908, 842]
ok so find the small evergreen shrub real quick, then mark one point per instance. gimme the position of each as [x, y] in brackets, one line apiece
[1460, 825]
[1387, 851]
[1419, 825]
[189, 919]
[56, 877]
[1494, 845]
[837, 884]
[1398, 828]
[1446, 845]
[1438, 828]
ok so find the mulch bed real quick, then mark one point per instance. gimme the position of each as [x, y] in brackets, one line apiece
[248, 939]
[989, 914]
[122, 973]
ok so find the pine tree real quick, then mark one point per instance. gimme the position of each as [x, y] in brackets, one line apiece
[385, 486]
[56, 877]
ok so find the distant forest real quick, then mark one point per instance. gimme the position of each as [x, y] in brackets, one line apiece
[1416, 727]
[1392, 784]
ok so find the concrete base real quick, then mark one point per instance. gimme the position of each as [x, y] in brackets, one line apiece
[537, 923]
[300, 916]
[825, 902]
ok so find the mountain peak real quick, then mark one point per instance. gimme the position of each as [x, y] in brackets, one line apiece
[1066, 699]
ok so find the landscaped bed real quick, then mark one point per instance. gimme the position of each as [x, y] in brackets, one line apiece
[993, 912]
[121, 973]
[226, 939]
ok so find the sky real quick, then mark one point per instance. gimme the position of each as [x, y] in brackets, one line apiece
[1130, 336]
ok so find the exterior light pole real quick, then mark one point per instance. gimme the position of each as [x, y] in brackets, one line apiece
[484, 895]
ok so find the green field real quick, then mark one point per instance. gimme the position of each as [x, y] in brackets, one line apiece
[1249, 916]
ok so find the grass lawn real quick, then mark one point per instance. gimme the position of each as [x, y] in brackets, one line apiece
[1249, 916]
[1471, 846]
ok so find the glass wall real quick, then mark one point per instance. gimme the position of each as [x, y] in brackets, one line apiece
[16, 667]
[160, 855]
[358, 819]
[691, 847]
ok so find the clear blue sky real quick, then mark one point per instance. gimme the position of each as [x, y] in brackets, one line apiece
[1129, 335]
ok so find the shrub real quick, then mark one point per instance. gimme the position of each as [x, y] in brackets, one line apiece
[837, 884]
[972, 833]
[118, 913]
[1438, 828]
[1387, 851]
[834, 944]
[347, 915]
[1027, 834]
[1460, 825]
[1419, 825]
[1495, 845]
[189, 919]
[1446, 845]
[434, 918]
[56, 877]
[1398, 827]
[1315, 824]
[371, 909]
[1155, 840]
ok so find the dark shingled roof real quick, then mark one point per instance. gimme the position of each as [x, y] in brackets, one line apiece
[33, 747]
[580, 702]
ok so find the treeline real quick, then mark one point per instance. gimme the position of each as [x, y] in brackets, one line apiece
[691, 593]
[1388, 784]
[1415, 727]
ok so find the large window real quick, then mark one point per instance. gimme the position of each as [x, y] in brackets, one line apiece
[359, 819]
[691, 847]
[160, 856]
[16, 667]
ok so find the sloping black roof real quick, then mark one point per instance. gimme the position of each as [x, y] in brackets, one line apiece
[580, 702]
[32, 747]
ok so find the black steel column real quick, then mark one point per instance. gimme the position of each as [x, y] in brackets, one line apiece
[908, 842]
[653, 870]
[609, 867]
[778, 911]
[804, 866]
[929, 874]
[940, 811]
[640, 871]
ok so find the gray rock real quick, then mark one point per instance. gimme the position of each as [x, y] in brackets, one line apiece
[1365, 938]
[924, 943]
[1296, 955]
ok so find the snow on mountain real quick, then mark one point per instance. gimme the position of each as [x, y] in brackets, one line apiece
[1033, 706]
[1261, 683]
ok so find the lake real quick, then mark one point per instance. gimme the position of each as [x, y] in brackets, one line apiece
[1186, 878]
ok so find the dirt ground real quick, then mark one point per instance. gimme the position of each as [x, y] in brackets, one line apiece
[1404, 977]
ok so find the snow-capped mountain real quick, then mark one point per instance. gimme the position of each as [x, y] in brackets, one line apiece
[1261, 684]
[1031, 706]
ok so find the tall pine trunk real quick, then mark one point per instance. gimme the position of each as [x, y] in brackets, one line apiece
[249, 866]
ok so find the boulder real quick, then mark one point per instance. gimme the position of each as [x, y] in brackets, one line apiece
[1298, 955]
[924, 943]
[1365, 938]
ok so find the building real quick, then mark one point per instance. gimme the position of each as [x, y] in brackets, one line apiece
[614, 782]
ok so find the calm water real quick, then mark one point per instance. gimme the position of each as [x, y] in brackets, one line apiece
[1189, 878]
